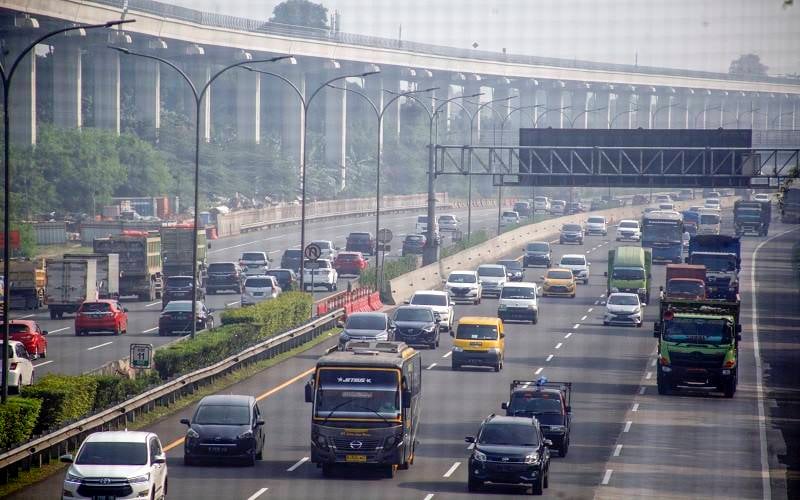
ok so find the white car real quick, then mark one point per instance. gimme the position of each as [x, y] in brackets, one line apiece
[558, 207]
[541, 204]
[762, 197]
[663, 198]
[709, 222]
[623, 309]
[439, 302]
[319, 273]
[421, 226]
[509, 218]
[117, 464]
[253, 263]
[492, 278]
[629, 229]
[713, 204]
[258, 289]
[20, 371]
[519, 301]
[578, 265]
[464, 286]
[596, 225]
[327, 249]
[447, 222]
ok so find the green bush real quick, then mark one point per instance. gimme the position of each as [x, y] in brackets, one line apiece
[18, 418]
[477, 238]
[113, 389]
[64, 398]
[241, 328]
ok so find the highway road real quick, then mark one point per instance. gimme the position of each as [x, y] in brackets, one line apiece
[627, 441]
[72, 355]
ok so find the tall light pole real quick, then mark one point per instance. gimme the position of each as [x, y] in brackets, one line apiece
[198, 92]
[306, 103]
[7, 74]
[379, 113]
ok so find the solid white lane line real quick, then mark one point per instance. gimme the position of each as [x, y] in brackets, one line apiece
[232, 303]
[428, 496]
[451, 469]
[597, 302]
[431, 366]
[649, 375]
[583, 318]
[539, 370]
[548, 358]
[43, 363]
[447, 354]
[298, 464]
[257, 494]
[607, 476]
[617, 450]
[558, 346]
[568, 335]
[642, 390]
[635, 407]
[150, 330]
[99, 346]
[153, 304]
[627, 426]
[589, 310]
[59, 330]
[575, 326]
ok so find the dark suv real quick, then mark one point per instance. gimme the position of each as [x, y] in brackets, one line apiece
[224, 276]
[287, 279]
[417, 325]
[571, 233]
[549, 403]
[180, 288]
[360, 242]
[291, 260]
[509, 450]
[413, 244]
[537, 253]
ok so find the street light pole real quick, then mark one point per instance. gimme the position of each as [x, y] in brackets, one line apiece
[198, 100]
[6, 76]
[306, 103]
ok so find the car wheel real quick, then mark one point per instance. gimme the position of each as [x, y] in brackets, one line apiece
[562, 452]
[534, 319]
[43, 354]
[327, 470]
[537, 488]
[210, 324]
[251, 460]
[572, 296]
[547, 479]
[474, 484]
[498, 366]
[161, 332]
[605, 323]
[639, 324]
[455, 367]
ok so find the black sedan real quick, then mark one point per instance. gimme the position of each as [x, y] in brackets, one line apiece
[514, 270]
[177, 317]
[225, 427]
[417, 325]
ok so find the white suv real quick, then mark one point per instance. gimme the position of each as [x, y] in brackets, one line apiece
[327, 249]
[596, 225]
[578, 265]
[258, 289]
[492, 278]
[254, 262]
[541, 204]
[448, 222]
[464, 286]
[319, 273]
[439, 302]
[117, 464]
[519, 301]
[629, 229]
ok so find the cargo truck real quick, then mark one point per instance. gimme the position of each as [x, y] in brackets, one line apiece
[27, 281]
[107, 272]
[629, 271]
[790, 205]
[685, 281]
[176, 252]
[139, 262]
[698, 345]
[752, 217]
[721, 256]
[69, 283]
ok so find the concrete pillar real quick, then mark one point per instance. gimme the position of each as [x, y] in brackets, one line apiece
[697, 109]
[747, 108]
[335, 130]
[67, 88]
[678, 112]
[248, 106]
[106, 92]
[525, 118]
[600, 99]
[621, 110]
[199, 70]
[500, 111]
[773, 110]
[644, 109]
[22, 95]
[555, 115]
[578, 112]
[714, 110]
[147, 95]
[472, 87]
[393, 82]
[292, 117]
[730, 110]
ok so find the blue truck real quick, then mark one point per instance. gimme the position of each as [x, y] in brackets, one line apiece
[721, 254]
[662, 231]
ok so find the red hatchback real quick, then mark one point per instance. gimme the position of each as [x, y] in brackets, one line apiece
[101, 316]
[350, 263]
[31, 335]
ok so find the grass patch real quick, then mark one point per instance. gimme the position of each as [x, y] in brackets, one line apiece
[36, 475]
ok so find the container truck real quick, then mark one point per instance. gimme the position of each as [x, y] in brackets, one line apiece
[721, 256]
[752, 217]
[176, 251]
[107, 272]
[139, 262]
[27, 281]
[69, 283]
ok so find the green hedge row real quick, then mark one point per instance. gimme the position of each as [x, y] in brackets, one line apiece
[18, 418]
[64, 398]
[112, 389]
[241, 329]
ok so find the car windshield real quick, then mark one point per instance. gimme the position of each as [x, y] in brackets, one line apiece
[253, 256]
[180, 306]
[509, 434]
[461, 278]
[749, 213]
[324, 245]
[596, 220]
[429, 299]
[492, 272]
[413, 314]
[685, 287]
[447, 218]
[709, 219]
[573, 261]
[366, 322]
[719, 263]
[358, 237]
[91, 307]
[540, 199]
[222, 415]
[512, 215]
[535, 402]
[258, 283]
[222, 267]
[101, 453]
[357, 393]
[422, 219]
[627, 273]
[513, 265]
[623, 300]
[414, 238]
[179, 281]
[538, 247]
[348, 257]
[470, 331]
[697, 331]
[629, 224]
[559, 275]
[570, 227]
[518, 292]
[281, 275]
[292, 254]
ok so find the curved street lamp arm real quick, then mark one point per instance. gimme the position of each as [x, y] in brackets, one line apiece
[236, 65]
[340, 77]
[169, 63]
[283, 79]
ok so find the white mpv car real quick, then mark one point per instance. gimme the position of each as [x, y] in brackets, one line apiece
[258, 289]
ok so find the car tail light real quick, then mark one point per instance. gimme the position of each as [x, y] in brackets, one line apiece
[729, 364]
[13, 366]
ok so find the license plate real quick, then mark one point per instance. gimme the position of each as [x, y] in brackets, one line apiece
[216, 449]
[695, 370]
[355, 458]
[104, 497]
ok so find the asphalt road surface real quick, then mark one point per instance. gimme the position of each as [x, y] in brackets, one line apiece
[627, 442]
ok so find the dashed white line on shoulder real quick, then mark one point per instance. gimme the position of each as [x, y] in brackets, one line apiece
[297, 464]
[627, 426]
[617, 450]
[431, 366]
[452, 469]
[648, 376]
[558, 346]
[548, 358]
[539, 370]
[447, 354]
[607, 476]
[635, 407]
[429, 496]
[568, 335]
[257, 494]
[575, 326]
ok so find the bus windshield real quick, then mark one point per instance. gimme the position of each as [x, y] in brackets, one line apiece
[662, 232]
[354, 393]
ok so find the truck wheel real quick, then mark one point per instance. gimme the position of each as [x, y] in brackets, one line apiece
[664, 388]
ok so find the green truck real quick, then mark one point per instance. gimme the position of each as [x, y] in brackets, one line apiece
[176, 251]
[629, 271]
[698, 345]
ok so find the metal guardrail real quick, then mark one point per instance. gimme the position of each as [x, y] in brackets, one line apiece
[48, 447]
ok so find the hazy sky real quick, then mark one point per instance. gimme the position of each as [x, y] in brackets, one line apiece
[693, 34]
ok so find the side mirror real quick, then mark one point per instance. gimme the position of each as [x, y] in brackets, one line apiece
[686, 260]
[738, 328]
[259, 422]
[309, 392]
[124, 309]
[541, 277]
[45, 332]
[569, 409]
[660, 288]
[67, 459]
[469, 439]
[406, 302]
[161, 458]
[656, 329]
[605, 273]
[738, 337]
[504, 405]
[548, 443]
[185, 421]
[502, 335]
[588, 264]
[437, 320]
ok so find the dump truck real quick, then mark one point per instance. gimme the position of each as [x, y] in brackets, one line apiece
[685, 281]
[107, 272]
[69, 283]
[721, 256]
[139, 262]
[27, 280]
[629, 271]
[752, 217]
[176, 251]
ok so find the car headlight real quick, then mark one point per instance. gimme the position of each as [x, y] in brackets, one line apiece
[192, 434]
[344, 337]
[72, 478]
[532, 306]
[245, 435]
[458, 349]
[642, 290]
[479, 456]
[494, 350]
[140, 479]
[502, 307]
[532, 459]
[614, 289]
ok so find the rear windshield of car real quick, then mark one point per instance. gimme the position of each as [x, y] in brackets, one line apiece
[538, 247]
[369, 322]
[90, 307]
[510, 214]
[17, 328]
[281, 275]
[253, 256]
[292, 254]
[179, 305]
[348, 256]
[461, 278]
[709, 219]
[414, 237]
[596, 220]
[476, 332]
[429, 299]
[629, 224]
[448, 218]
[258, 283]
[222, 267]
[573, 261]
[492, 272]
[510, 264]
[536, 402]
[518, 292]
[509, 434]
[571, 227]
[179, 281]
[324, 245]
[99, 453]
[559, 275]
[222, 415]
[414, 314]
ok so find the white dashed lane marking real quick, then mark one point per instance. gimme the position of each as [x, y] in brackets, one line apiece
[452, 469]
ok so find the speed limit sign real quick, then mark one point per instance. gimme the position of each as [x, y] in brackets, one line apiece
[312, 252]
[141, 356]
